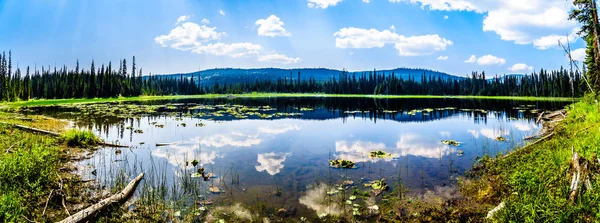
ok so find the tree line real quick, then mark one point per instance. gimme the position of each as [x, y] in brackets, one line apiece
[106, 81]
[559, 83]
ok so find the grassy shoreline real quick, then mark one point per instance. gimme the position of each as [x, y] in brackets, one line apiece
[42, 102]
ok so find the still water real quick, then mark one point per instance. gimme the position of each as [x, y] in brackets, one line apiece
[274, 151]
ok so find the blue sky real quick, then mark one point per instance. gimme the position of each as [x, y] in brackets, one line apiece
[454, 36]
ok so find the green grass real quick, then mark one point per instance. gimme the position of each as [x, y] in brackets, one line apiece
[43, 102]
[534, 181]
[79, 138]
[26, 173]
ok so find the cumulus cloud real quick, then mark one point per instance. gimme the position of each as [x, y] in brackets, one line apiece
[446, 17]
[513, 20]
[579, 54]
[443, 58]
[272, 163]
[486, 60]
[279, 58]
[489, 133]
[203, 39]
[182, 18]
[520, 67]
[366, 1]
[471, 59]
[322, 3]
[189, 36]
[271, 26]
[406, 46]
[221, 12]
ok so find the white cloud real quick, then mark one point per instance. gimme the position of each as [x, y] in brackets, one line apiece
[524, 127]
[445, 134]
[234, 140]
[443, 58]
[471, 59]
[279, 58]
[322, 3]
[446, 17]
[182, 18]
[579, 54]
[271, 162]
[205, 21]
[489, 133]
[192, 37]
[551, 41]
[190, 150]
[490, 60]
[188, 36]
[486, 60]
[366, 1]
[406, 46]
[221, 12]
[415, 145]
[520, 67]
[358, 151]
[271, 26]
[512, 20]
[280, 129]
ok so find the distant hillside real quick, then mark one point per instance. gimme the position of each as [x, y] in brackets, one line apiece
[236, 75]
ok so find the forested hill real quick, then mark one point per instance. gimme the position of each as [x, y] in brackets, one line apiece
[236, 75]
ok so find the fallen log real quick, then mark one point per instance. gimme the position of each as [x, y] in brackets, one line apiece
[34, 129]
[121, 197]
[55, 134]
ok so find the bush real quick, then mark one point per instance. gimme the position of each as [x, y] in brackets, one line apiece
[79, 138]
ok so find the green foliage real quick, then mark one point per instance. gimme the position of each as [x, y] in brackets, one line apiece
[25, 172]
[79, 138]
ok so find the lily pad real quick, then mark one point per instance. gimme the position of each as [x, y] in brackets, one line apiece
[339, 163]
[451, 142]
[194, 162]
[500, 138]
[379, 154]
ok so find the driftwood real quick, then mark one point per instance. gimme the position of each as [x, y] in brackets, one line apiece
[540, 117]
[55, 134]
[574, 188]
[529, 145]
[86, 214]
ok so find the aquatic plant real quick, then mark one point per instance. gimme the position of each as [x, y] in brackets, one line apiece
[79, 138]
[340, 163]
[500, 138]
[451, 142]
[379, 154]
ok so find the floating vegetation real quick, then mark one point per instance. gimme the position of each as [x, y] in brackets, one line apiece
[500, 138]
[379, 154]
[200, 124]
[160, 126]
[183, 124]
[339, 163]
[306, 109]
[460, 153]
[352, 112]
[138, 131]
[347, 183]
[451, 142]
[195, 163]
[377, 186]
[428, 110]
[389, 111]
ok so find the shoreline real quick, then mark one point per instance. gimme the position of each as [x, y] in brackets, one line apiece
[46, 102]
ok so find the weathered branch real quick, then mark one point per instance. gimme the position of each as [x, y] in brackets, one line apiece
[121, 197]
[55, 134]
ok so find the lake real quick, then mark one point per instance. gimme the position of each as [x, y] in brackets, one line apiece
[271, 155]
